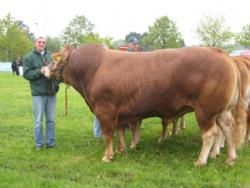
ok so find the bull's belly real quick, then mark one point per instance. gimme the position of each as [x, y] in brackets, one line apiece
[135, 115]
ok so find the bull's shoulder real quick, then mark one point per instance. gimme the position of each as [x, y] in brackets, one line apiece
[218, 50]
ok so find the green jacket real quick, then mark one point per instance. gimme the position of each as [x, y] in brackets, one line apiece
[39, 84]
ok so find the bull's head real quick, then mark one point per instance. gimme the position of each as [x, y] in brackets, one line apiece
[59, 61]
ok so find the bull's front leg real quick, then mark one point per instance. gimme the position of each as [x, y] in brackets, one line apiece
[108, 139]
[135, 131]
[215, 151]
[164, 132]
[182, 123]
[175, 126]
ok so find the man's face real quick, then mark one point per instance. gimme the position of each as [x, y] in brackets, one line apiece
[40, 44]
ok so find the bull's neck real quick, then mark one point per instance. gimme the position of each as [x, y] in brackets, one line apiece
[81, 78]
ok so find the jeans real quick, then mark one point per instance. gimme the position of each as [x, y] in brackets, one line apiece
[44, 105]
[97, 128]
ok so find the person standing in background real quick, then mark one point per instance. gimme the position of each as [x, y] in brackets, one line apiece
[132, 44]
[15, 66]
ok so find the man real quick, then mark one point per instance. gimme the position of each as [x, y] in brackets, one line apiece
[13, 67]
[97, 128]
[132, 44]
[43, 93]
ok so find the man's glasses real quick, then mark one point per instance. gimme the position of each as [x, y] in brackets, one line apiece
[41, 42]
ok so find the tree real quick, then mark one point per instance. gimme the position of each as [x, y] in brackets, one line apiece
[53, 44]
[243, 38]
[15, 39]
[213, 31]
[163, 34]
[78, 28]
[94, 38]
[80, 31]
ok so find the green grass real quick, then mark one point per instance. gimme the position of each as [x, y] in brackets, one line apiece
[77, 160]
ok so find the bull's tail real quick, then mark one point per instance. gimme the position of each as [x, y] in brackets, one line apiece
[239, 114]
[240, 124]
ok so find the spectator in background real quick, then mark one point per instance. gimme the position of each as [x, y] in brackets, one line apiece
[20, 66]
[132, 44]
[15, 66]
[97, 128]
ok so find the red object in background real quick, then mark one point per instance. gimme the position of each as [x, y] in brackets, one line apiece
[123, 48]
[246, 53]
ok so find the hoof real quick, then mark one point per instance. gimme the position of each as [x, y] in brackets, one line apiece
[106, 159]
[231, 161]
[213, 156]
[160, 140]
[133, 146]
[119, 150]
[199, 163]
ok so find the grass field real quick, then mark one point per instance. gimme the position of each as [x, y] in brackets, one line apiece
[76, 162]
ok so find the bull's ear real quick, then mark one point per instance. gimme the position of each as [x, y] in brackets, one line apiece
[65, 52]
[56, 57]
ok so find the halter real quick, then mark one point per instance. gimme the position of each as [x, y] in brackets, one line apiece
[61, 69]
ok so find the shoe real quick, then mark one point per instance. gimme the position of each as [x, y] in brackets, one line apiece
[38, 148]
[51, 146]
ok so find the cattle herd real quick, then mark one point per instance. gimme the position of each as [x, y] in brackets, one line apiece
[124, 88]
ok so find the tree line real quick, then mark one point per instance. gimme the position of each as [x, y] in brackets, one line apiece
[16, 39]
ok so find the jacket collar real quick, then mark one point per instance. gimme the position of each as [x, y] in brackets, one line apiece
[38, 53]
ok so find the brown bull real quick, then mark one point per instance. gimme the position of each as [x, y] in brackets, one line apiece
[242, 112]
[241, 132]
[122, 87]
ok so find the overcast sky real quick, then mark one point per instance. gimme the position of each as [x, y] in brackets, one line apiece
[116, 18]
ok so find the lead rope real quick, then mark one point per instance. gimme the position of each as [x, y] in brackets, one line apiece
[66, 101]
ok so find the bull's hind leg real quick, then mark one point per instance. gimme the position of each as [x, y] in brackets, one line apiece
[248, 133]
[225, 122]
[208, 138]
[247, 139]
[215, 151]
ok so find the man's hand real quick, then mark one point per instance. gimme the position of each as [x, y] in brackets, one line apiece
[42, 70]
